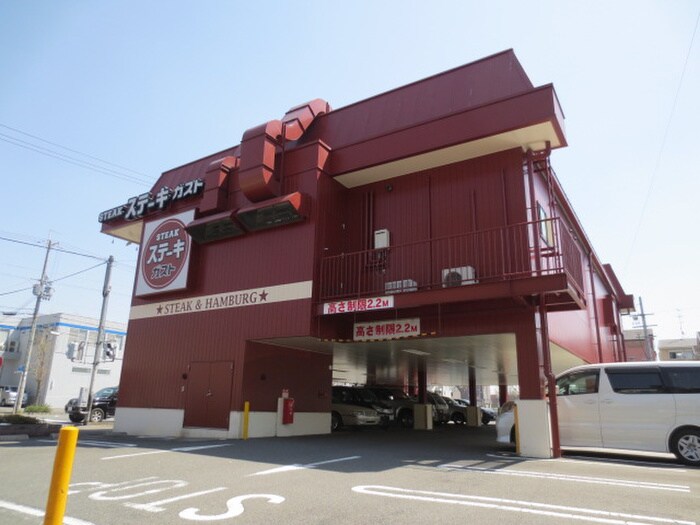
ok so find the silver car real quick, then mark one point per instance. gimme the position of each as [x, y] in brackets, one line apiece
[8, 396]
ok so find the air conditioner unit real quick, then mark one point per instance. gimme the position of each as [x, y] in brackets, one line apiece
[404, 285]
[459, 276]
[381, 239]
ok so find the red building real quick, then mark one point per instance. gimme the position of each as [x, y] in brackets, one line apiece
[418, 237]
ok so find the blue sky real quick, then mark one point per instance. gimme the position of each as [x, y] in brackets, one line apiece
[148, 86]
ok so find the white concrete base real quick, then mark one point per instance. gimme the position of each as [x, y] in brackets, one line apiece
[534, 428]
[160, 422]
[422, 417]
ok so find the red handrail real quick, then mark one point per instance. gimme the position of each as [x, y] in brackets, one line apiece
[484, 256]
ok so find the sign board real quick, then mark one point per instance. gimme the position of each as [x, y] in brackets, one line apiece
[358, 305]
[165, 255]
[386, 330]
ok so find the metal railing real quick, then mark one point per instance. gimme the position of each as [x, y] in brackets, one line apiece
[512, 252]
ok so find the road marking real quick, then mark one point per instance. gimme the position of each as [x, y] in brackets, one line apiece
[525, 507]
[234, 506]
[94, 485]
[614, 462]
[178, 449]
[153, 506]
[67, 520]
[287, 468]
[169, 484]
[94, 443]
[566, 477]
[150, 452]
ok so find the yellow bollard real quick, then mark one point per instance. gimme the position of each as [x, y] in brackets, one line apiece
[246, 414]
[62, 468]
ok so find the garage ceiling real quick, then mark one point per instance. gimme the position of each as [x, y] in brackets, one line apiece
[447, 359]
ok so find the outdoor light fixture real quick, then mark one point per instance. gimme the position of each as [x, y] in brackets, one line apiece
[214, 228]
[274, 212]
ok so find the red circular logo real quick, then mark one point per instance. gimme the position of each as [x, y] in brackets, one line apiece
[165, 254]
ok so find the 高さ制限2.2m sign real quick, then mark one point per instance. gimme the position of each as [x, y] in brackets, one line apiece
[165, 255]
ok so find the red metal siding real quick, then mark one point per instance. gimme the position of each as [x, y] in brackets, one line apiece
[161, 349]
[269, 369]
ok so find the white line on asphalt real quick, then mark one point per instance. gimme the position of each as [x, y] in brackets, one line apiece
[614, 462]
[579, 479]
[527, 507]
[287, 468]
[178, 449]
[93, 443]
[200, 447]
[150, 452]
[153, 506]
[67, 520]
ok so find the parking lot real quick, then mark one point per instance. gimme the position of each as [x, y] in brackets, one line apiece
[451, 474]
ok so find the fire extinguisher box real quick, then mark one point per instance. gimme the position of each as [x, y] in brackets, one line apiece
[287, 411]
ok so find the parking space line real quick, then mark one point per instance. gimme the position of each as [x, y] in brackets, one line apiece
[613, 462]
[148, 453]
[287, 468]
[177, 449]
[94, 443]
[566, 477]
[30, 511]
[526, 507]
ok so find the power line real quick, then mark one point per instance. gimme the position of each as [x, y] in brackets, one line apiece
[59, 279]
[55, 249]
[73, 150]
[72, 160]
[663, 144]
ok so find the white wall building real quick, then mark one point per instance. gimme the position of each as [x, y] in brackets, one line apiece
[62, 358]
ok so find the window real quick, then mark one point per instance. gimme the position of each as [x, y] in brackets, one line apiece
[683, 380]
[578, 383]
[546, 232]
[636, 381]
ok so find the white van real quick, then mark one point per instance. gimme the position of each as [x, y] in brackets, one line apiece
[649, 406]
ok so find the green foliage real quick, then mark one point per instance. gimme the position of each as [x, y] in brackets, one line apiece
[18, 419]
[37, 409]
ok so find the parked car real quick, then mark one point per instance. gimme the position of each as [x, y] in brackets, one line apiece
[646, 406]
[8, 396]
[458, 411]
[345, 413]
[103, 406]
[364, 397]
[401, 403]
[487, 414]
[441, 412]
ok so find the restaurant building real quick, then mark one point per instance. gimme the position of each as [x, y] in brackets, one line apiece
[419, 237]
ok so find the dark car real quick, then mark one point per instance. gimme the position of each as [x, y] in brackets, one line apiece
[458, 411]
[487, 414]
[401, 403]
[103, 406]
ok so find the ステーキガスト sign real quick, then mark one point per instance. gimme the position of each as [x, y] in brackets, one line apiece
[165, 255]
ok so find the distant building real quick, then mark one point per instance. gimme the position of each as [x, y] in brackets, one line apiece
[635, 347]
[687, 349]
[64, 351]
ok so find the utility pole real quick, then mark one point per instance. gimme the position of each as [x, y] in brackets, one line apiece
[99, 344]
[648, 351]
[42, 290]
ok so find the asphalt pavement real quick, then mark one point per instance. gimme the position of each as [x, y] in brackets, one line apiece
[452, 474]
